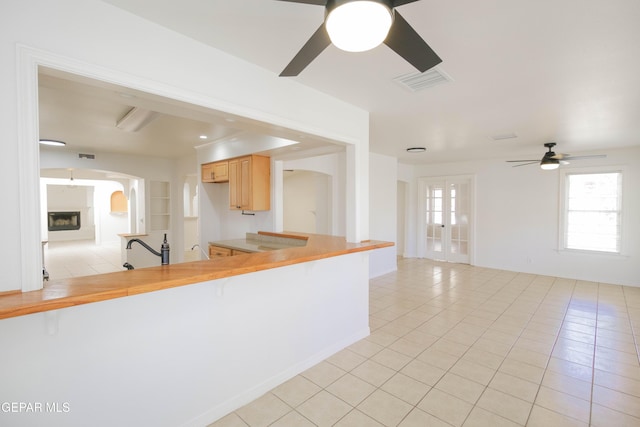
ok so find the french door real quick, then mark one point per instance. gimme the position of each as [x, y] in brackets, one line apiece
[447, 210]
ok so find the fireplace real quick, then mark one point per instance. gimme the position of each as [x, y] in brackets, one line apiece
[64, 221]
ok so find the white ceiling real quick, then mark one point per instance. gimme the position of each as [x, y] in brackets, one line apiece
[547, 70]
[84, 114]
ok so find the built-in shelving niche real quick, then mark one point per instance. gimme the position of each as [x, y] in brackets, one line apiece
[160, 208]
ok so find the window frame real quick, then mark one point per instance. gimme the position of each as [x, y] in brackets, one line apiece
[563, 206]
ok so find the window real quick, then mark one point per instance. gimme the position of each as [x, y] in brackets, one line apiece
[592, 212]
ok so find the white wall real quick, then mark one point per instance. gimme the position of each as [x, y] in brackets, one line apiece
[104, 42]
[185, 232]
[182, 356]
[219, 222]
[108, 224]
[333, 167]
[402, 217]
[307, 202]
[517, 219]
[406, 176]
[383, 175]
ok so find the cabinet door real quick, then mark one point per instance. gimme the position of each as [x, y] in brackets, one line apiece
[249, 182]
[234, 184]
[235, 252]
[220, 172]
[260, 183]
[215, 172]
[245, 184]
[207, 172]
[217, 252]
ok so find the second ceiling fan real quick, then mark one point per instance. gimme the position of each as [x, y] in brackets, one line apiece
[551, 160]
[354, 19]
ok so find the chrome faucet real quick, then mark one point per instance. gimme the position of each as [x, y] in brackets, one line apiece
[164, 249]
[203, 252]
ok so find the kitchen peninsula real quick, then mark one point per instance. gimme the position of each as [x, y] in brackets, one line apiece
[222, 332]
[83, 290]
[255, 242]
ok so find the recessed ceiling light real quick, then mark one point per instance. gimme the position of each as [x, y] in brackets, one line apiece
[416, 150]
[203, 136]
[52, 142]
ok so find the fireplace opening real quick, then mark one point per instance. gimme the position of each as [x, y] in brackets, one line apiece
[64, 221]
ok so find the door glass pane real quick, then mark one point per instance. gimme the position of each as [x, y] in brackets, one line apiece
[459, 217]
[447, 210]
[434, 218]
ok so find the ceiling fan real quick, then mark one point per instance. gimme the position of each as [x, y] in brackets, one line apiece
[551, 160]
[359, 25]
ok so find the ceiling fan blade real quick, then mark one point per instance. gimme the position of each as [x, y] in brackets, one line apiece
[318, 2]
[404, 40]
[525, 164]
[312, 48]
[522, 160]
[401, 2]
[594, 156]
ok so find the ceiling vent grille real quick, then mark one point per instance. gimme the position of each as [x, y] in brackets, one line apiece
[419, 81]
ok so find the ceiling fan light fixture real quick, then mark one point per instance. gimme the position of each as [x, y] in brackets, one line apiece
[360, 25]
[549, 164]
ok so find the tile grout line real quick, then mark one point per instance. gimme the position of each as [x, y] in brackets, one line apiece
[564, 298]
[633, 332]
[548, 357]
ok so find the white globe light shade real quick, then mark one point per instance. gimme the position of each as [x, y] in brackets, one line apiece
[549, 164]
[359, 25]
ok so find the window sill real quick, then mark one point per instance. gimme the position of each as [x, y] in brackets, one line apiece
[600, 254]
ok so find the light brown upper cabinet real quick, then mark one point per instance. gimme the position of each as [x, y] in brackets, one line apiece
[215, 172]
[249, 183]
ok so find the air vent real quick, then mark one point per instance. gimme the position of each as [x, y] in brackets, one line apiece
[499, 137]
[419, 81]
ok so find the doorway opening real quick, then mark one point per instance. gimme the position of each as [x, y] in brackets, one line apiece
[80, 233]
[307, 204]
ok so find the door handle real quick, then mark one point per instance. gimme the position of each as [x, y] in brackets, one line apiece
[442, 225]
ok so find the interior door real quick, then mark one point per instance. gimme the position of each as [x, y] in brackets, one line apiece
[435, 219]
[447, 216]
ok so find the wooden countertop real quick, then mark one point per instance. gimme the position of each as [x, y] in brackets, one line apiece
[64, 293]
[262, 242]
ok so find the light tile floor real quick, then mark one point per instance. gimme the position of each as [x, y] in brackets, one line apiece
[78, 258]
[81, 258]
[455, 345]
